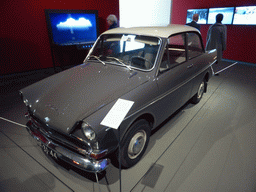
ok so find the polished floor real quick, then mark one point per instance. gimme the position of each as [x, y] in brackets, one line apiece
[208, 147]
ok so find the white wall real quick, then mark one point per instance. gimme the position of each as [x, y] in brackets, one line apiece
[137, 13]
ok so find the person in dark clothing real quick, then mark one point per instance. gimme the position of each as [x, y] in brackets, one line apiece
[112, 22]
[217, 37]
[194, 22]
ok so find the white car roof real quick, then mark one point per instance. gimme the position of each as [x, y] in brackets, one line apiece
[164, 32]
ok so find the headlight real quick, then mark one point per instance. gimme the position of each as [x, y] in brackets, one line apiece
[88, 131]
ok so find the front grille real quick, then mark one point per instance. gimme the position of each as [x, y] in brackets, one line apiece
[62, 139]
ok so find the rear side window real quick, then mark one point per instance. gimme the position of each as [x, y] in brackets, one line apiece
[175, 52]
[194, 45]
[176, 48]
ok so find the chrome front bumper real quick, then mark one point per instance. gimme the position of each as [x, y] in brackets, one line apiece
[59, 152]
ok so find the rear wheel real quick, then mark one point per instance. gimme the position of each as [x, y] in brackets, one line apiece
[134, 143]
[200, 91]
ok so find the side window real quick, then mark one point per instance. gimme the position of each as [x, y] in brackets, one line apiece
[175, 52]
[194, 45]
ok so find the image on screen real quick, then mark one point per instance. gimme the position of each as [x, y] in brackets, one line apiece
[67, 28]
[203, 14]
[227, 12]
[245, 15]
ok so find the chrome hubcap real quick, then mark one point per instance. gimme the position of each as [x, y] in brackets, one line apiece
[200, 90]
[137, 144]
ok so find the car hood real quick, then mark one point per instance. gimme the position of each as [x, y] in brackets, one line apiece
[70, 96]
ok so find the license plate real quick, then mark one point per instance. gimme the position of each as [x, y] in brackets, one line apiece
[49, 151]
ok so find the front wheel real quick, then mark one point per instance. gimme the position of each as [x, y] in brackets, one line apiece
[198, 96]
[134, 143]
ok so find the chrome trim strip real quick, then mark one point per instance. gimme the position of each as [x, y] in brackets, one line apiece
[70, 157]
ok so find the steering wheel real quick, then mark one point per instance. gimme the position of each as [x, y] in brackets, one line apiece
[140, 62]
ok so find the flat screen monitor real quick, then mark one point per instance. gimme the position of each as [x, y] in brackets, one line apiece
[227, 12]
[245, 15]
[203, 14]
[71, 27]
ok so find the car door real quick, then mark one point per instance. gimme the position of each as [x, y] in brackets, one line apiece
[175, 73]
[196, 59]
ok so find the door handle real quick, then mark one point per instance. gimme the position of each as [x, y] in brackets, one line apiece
[191, 65]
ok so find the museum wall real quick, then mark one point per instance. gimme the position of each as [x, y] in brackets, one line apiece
[25, 46]
[24, 41]
[241, 40]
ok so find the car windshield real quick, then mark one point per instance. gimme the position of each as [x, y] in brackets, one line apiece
[131, 51]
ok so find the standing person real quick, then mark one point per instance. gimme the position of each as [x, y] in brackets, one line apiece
[217, 37]
[194, 22]
[112, 22]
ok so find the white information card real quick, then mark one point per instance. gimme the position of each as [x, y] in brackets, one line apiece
[117, 113]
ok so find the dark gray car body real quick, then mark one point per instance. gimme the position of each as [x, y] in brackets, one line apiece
[87, 92]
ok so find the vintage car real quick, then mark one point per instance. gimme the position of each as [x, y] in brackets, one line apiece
[139, 75]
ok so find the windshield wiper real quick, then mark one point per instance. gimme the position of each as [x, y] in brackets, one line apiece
[97, 59]
[120, 61]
